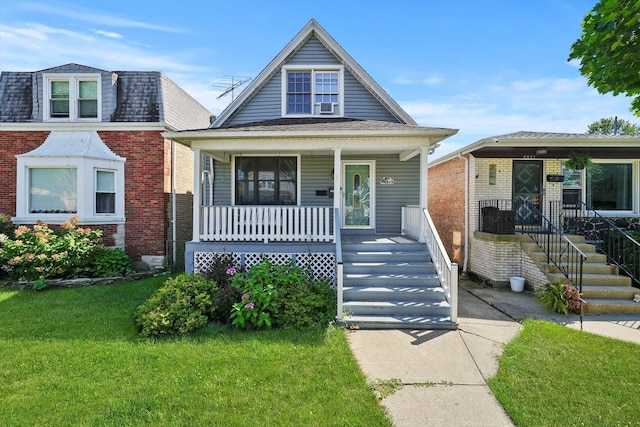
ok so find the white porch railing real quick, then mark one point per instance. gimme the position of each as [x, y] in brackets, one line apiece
[410, 225]
[267, 223]
[447, 270]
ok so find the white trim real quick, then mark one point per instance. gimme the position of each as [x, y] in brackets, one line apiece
[74, 80]
[313, 69]
[298, 173]
[372, 193]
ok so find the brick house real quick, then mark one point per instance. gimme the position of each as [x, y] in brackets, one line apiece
[502, 187]
[76, 140]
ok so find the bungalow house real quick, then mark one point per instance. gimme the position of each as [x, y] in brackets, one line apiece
[77, 140]
[315, 163]
[514, 207]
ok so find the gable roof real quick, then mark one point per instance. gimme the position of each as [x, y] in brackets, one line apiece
[541, 145]
[313, 29]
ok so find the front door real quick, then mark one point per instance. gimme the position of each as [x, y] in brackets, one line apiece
[527, 188]
[358, 194]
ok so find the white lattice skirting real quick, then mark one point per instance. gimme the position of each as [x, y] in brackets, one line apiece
[321, 264]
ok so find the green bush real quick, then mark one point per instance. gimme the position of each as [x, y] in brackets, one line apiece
[40, 253]
[281, 296]
[108, 262]
[6, 226]
[559, 297]
[184, 304]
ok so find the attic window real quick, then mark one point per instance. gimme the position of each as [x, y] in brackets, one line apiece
[312, 91]
[72, 97]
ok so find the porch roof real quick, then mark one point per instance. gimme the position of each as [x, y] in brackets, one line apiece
[314, 134]
[550, 145]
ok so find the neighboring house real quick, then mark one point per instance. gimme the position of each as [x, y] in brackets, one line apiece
[312, 148]
[492, 183]
[76, 140]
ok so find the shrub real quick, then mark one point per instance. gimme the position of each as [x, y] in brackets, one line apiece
[39, 253]
[6, 226]
[220, 270]
[108, 262]
[182, 305]
[281, 296]
[559, 297]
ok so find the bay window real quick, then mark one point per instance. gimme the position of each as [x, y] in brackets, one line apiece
[53, 190]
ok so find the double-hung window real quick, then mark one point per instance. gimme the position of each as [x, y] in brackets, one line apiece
[312, 91]
[105, 192]
[72, 97]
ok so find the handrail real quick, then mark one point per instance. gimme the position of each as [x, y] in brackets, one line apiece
[560, 251]
[621, 249]
[447, 270]
[339, 263]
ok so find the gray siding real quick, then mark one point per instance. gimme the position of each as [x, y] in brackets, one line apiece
[266, 103]
[317, 174]
[179, 110]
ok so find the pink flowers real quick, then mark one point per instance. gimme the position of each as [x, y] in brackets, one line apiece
[231, 271]
[249, 305]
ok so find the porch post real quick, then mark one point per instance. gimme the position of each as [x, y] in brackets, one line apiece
[337, 180]
[197, 188]
[424, 189]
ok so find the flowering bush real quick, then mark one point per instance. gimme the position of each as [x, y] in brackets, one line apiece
[6, 226]
[220, 270]
[258, 289]
[559, 297]
[40, 253]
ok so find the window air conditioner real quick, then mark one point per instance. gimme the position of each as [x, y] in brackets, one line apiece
[326, 107]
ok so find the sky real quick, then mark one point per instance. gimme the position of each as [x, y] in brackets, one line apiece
[485, 67]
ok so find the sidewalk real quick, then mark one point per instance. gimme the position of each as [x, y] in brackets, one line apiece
[444, 372]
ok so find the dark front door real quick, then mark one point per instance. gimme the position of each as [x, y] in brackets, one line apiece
[527, 189]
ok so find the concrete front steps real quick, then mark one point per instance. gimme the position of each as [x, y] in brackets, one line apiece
[604, 290]
[392, 286]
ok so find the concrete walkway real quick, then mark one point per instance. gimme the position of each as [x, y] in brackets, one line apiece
[444, 372]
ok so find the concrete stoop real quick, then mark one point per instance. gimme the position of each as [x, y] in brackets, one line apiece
[392, 286]
[604, 290]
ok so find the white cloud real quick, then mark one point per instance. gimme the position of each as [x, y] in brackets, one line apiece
[429, 80]
[109, 34]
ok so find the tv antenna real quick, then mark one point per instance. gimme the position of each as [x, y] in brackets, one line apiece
[228, 85]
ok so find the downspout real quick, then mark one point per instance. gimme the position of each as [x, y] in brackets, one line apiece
[466, 213]
[174, 230]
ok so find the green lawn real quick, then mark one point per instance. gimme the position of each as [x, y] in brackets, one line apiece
[551, 375]
[72, 357]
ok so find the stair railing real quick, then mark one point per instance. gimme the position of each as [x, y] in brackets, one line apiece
[447, 271]
[339, 264]
[560, 251]
[620, 248]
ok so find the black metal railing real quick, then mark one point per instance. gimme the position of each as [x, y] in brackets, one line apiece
[560, 251]
[496, 216]
[620, 248]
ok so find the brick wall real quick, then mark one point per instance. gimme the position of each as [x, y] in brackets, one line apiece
[446, 205]
[147, 186]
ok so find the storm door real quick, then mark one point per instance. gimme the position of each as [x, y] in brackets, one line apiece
[527, 189]
[358, 194]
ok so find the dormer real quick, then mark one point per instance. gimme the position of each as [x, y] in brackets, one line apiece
[72, 97]
[312, 90]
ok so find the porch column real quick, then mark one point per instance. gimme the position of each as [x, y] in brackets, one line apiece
[424, 189]
[337, 177]
[197, 188]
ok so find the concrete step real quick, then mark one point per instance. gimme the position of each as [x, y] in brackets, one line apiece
[587, 248]
[605, 280]
[587, 268]
[395, 266]
[393, 293]
[609, 292]
[399, 322]
[397, 308]
[609, 306]
[540, 256]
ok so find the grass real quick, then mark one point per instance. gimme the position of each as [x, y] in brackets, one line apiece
[554, 375]
[72, 357]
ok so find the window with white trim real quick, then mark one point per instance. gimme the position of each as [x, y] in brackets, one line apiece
[72, 97]
[53, 190]
[105, 192]
[266, 180]
[312, 91]
[207, 180]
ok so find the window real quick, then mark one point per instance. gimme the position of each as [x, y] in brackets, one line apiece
[309, 91]
[571, 187]
[105, 192]
[53, 190]
[266, 180]
[72, 98]
[609, 187]
[207, 180]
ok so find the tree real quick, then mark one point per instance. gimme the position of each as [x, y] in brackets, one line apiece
[605, 126]
[609, 49]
